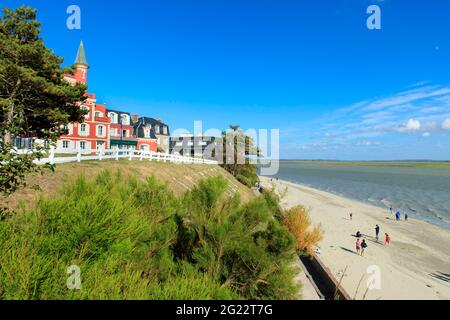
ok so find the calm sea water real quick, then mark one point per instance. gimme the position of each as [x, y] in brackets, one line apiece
[423, 193]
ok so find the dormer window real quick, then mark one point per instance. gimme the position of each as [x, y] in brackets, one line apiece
[125, 119]
[114, 117]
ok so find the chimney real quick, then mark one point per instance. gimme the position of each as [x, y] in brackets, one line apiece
[135, 117]
[159, 119]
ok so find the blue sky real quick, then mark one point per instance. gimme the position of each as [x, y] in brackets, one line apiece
[312, 69]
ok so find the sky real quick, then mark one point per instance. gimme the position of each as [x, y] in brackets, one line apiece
[312, 69]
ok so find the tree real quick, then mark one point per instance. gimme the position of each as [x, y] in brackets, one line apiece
[35, 101]
[238, 148]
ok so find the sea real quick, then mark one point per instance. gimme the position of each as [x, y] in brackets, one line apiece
[421, 192]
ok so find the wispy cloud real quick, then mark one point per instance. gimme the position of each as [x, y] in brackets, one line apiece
[422, 110]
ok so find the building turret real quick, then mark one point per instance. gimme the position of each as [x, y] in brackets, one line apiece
[81, 64]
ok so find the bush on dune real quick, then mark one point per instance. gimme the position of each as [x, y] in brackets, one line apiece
[298, 222]
[136, 240]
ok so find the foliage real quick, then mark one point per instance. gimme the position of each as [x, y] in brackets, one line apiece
[237, 149]
[298, 222]
[134, 239]
[35, 101]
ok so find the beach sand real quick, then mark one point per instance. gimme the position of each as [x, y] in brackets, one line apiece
[416, 265]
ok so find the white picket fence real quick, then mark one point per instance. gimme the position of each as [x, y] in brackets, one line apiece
[56, 156]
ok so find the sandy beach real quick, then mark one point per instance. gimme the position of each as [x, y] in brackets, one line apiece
[416, 265]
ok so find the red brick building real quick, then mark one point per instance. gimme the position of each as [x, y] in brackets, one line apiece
[102, 128]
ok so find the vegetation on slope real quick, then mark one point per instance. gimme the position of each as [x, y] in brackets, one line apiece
[134, 239]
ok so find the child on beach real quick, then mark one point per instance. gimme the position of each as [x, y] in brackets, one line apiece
[363, 247]
[358, 246]
[387, 239]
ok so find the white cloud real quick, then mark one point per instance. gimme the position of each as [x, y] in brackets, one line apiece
[446, 124]
[426, 134]
[410, 126]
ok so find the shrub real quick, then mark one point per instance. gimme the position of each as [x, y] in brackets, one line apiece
[134, 239]
[298, 222]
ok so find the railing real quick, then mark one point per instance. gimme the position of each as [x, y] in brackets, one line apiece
[71, 155]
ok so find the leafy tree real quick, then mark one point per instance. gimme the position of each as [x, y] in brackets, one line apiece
[238, 148]
[35, 101]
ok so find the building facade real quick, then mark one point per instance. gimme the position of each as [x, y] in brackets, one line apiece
[104, 128]
[146, 128]
[193, 146]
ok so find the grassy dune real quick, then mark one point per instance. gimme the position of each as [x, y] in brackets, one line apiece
[183, 235]
[179, 178]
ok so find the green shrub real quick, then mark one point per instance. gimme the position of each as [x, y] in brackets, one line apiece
[136, 240]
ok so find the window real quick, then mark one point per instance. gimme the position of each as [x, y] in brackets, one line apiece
[100, 131]
[165, 130]
[87, 109]
[157, 128]
[125, 133]
[82, 145]
[65, 144]
[100, 145]
[147, 133]
[113, 116]
[97, 114]
[84, 129]
[125, 119]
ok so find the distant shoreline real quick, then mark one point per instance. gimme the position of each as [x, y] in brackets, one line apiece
[400, 163]
[348, 197]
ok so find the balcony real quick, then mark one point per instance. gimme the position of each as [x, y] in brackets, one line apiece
[102, 119]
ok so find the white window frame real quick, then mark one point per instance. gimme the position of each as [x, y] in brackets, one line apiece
[125, 119]
[103, 134]
[114, 117]
[81, 132]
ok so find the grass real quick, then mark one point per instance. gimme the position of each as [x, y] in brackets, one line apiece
[133, 237]
[180, 178]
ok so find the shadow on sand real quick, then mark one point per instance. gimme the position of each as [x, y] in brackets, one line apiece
[348, 250]
[441, 276]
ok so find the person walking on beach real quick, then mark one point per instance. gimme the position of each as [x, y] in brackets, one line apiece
[406, 217]
[387, 239]
[358, 246]
[391, 209]
[398, 215]
[363, 247]
[377, 231]
[351, 216]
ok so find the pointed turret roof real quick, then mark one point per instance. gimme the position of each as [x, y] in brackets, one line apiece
[81, 56]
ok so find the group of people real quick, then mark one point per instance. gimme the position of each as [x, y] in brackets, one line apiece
[361, 246]
[398, 215]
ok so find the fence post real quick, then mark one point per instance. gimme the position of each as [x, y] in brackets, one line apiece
[142, 155]
[117, 154]
[100, 155]
[52, 155]
[79, 155]
[130, 153]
